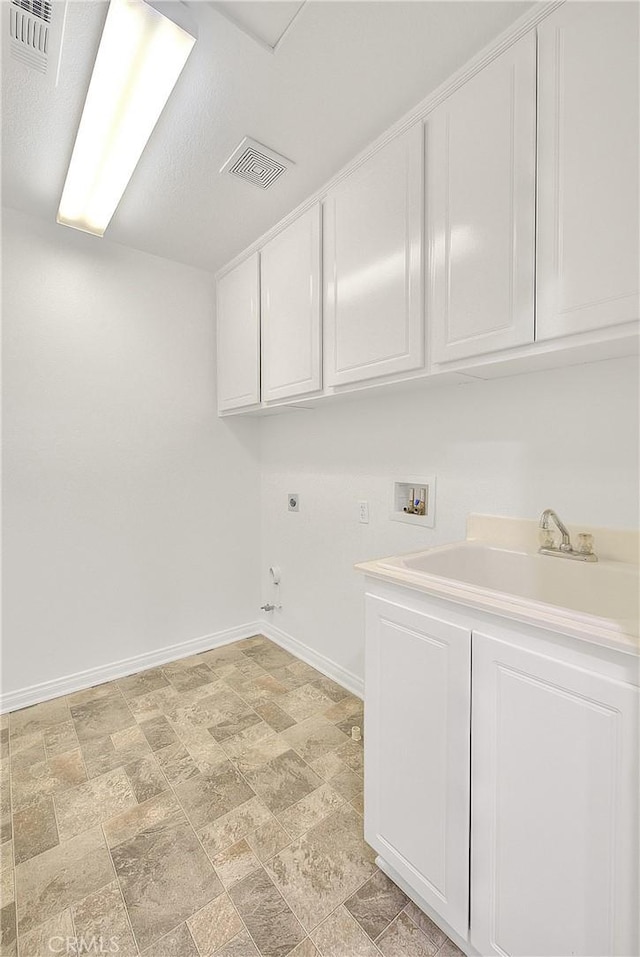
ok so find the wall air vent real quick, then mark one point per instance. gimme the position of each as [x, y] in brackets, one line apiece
[35, 29]
[256, 164]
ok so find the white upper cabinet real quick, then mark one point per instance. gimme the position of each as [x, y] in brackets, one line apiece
[238, 325]
[588, 255]
[481, 210]
[373, 310]
[290, 293]
[554, 825]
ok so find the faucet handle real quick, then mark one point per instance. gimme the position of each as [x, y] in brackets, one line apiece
[585, 543]
[545, 538]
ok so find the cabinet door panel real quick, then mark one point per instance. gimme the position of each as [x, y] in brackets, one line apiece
[588, 163]
[374, 323]
[238, 333]
[481, 210]
[417, 753]
[554, 825]
[290, 295]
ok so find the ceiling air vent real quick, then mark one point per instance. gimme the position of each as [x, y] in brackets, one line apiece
[256, 164]
[34, 31]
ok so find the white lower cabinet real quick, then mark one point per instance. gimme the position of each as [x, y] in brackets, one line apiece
[555, 804]
[417, 752]
[531, 737]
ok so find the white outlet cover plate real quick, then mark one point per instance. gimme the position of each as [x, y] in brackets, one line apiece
[293, 501]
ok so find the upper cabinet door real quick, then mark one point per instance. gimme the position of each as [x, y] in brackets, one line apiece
[238, 324]
[290, 294]
[373, 314]
[481, 151]
[588, 256]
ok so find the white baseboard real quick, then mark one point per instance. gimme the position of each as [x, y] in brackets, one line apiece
[34, 694]
[327, 666]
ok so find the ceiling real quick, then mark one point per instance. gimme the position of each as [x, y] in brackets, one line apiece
[341, 73]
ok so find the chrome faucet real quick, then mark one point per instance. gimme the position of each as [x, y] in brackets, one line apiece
[584, 552]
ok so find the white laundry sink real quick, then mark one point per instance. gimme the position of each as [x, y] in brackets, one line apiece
[600, 600]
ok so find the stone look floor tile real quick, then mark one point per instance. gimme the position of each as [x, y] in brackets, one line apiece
[6, 826]
[352, 753]
[306, 949]
[283, 781]
[101, 754]
[304, 702]
[345, 709]
[47, 778]
[34, 754]
[176, 763]
[275, 717]
[234, 825]
[339, 934]
[310, 810]
[328, 765]
[50, 882]
[146, 778]
[314, 737]
[177, 943]
[184, 679]
[129, 739]
[34, 829]
[60, 738]
[165, 877]
[376, 904]
[403, 938]
[240, 946]
[49, 938]
[160, 811]
[268, 918]
[213, 794]
[215, 925]
[8, 932]
[158, 733]
[323, 867]
[291, 854]
[257, 755]
[235, 863]
[449, 949]
[267, 840]
[426, 925]
[229, 727]
[38, 717]
[102, 716]
[347, 783]
[142, 683]
[7, 882]
[81, 808]
[103, 915]
[334, 691]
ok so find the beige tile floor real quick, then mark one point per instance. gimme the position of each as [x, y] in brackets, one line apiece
[211, 806]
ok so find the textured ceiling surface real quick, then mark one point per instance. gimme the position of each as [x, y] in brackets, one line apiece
[343, 72]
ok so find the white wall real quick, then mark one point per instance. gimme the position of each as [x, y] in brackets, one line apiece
[129, 507]
[566, 439]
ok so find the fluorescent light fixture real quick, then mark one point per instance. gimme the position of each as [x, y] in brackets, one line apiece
[141, 55]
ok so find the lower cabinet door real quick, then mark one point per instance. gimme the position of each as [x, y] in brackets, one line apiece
[417, 753]
[554, 826]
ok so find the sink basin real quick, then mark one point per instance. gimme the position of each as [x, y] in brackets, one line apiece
[605, 590]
